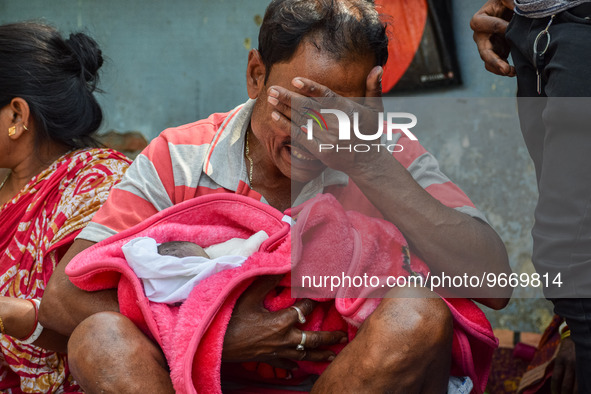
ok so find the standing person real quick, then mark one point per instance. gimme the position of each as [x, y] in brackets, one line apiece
[51, 184]
[550, 44]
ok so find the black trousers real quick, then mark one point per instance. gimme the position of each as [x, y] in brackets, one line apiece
[556, 127]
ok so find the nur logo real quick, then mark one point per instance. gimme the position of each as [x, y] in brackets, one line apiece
[345, 126]
[316, 116]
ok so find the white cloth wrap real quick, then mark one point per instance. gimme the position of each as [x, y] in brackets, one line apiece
[170, 279]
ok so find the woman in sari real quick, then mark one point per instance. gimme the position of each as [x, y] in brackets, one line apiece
[51, 183]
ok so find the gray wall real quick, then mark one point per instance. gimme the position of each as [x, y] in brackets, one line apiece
[173, 62]
[169, 62]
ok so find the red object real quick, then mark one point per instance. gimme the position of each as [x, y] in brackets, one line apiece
[36, 320]
[524, 351]
[406, 22]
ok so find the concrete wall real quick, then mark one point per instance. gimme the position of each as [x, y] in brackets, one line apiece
[171, 63]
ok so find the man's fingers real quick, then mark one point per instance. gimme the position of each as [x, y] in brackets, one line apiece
[257, 291]
[486, 24]
[279, 100]
[557, 377]
[498, 67]
[492, 61]
[506, 68]
[293, 106]
[283, 121]
[310, 88]
[310, 355]
[568, 381]
[316, 339]
[305, 306]
[290, 316]
[489, 26]
[564, 378]
[509, 4]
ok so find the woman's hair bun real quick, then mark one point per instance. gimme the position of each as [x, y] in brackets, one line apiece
[88, 54]
[56, 77]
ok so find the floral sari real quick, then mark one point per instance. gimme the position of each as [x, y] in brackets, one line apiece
[36, 228]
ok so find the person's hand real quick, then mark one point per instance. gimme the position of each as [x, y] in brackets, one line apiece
[489, 25]
[294, 108]
[256, 334]
[564, 379]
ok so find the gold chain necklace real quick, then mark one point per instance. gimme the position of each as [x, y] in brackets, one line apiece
[247, 153]
[5, 179]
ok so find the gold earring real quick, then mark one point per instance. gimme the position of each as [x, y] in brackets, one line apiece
[25, 127]
[11, 131]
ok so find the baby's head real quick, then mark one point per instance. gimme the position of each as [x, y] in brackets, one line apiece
[181, 249]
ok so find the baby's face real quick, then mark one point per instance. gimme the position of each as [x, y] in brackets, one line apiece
[181, 249]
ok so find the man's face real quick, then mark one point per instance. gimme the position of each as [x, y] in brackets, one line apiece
[345, 77]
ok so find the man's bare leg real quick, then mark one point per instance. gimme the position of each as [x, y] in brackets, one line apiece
[403, 347]
[107, 353]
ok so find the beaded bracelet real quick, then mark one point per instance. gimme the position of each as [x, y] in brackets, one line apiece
[37, 328]
[1, 326]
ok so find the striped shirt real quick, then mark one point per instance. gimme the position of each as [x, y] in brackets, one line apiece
[207, 157]
[544, 8]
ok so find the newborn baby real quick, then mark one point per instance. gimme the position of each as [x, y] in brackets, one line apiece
[170, 270]
[181, 249]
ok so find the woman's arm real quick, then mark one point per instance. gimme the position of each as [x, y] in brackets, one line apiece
[64, 305]
[18, 319]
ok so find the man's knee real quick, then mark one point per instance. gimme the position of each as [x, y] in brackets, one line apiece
[93, 331]
[107, 352]
[416, 325]
[96, 340]
[403, 346]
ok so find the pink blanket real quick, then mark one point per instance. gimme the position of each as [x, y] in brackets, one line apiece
[191, 335]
